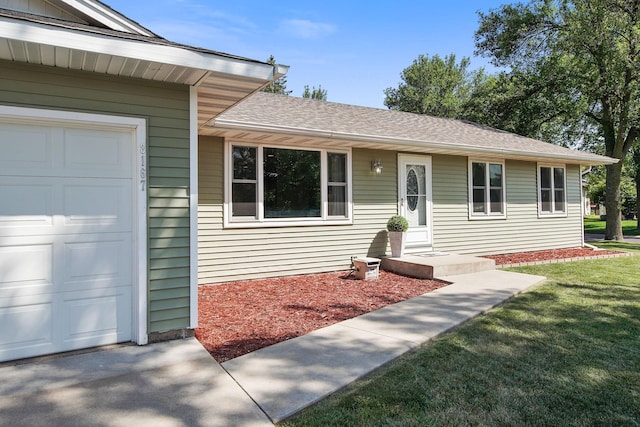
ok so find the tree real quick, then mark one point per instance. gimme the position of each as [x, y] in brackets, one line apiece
[318, 94]
[435, 86]
[279, 86]
[580, 54]
[628, 188]
[636, 178]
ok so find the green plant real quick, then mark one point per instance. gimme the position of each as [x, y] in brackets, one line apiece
[397, 223]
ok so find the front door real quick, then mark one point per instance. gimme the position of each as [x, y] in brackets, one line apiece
[414, 190]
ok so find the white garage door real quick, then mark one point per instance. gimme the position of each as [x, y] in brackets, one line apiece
[65, 237]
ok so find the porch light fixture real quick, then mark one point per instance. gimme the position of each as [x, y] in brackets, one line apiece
[376, 166]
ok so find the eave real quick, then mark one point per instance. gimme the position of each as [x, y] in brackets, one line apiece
[278, 135]
[222, 80]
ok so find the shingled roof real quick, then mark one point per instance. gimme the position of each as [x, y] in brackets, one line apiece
[356, 126]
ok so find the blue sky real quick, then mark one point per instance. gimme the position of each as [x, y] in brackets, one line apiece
[353, 49]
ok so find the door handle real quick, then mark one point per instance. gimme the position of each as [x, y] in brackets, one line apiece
[402, 202]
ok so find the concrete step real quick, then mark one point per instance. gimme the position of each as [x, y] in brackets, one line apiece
[436, 265]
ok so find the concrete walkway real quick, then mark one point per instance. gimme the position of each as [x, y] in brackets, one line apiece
[289, 376]
[177, 383]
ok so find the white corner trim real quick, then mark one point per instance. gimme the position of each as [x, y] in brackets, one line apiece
[193, 208]
[138, 127]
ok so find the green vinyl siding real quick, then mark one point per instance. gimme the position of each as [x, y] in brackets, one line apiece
[522, 230]
[166, 109]
[245, 253]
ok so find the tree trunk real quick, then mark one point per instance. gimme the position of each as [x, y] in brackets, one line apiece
[613, 230]
[638, 204]
[636, 165]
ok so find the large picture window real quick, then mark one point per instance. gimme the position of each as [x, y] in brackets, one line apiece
[284, 186]
[552, 195]
[486, 190]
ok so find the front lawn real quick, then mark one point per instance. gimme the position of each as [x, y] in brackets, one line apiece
[593, 225]
[565, 353]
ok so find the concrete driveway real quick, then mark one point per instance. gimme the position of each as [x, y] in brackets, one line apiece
[174, 383]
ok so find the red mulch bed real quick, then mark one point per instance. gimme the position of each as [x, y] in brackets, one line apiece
[240, 317]
[237, 318]
[555, 254]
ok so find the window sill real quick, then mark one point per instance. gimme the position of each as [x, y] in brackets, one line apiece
[552, 215]
[486, 217]
[290, 223]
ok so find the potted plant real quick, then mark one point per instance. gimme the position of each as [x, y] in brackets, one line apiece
[397, 227]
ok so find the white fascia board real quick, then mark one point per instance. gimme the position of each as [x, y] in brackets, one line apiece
[111, 19]
[394, 143]
[146, 51]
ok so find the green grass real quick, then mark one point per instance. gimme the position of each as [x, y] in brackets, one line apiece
[613, 245]
[566, 353]
[593, 225]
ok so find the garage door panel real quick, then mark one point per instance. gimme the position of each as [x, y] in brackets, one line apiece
[25, 203]
[102, 203]
[26, 327]
[36, 206]
[26, 148]
[96, 317]
[91, 152]
[97, 264]
[25, 269]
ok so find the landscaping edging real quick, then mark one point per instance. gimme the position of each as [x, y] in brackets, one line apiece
[554, 261]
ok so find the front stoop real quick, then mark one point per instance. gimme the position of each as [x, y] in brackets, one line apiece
[432, 266]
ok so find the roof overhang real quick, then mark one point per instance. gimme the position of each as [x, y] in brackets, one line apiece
[314, 138]
[222, 80]
[100, 14]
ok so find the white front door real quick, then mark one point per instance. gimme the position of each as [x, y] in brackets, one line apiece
[66, 249]
[414, 190]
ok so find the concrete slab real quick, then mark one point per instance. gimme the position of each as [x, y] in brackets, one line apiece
[294, 374]
[175, 383]
[287, 377]
[428, 267]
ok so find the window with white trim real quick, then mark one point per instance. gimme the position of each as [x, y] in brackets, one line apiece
[487, 195]
[552, 194]
[272, 186]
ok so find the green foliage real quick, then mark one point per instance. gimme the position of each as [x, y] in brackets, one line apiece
[581, 64]
[435, 86]
[317, 94]
[397, 223]
[597, 189]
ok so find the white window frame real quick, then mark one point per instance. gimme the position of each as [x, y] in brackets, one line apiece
[261, 221]
[488, 215]
[553, 213]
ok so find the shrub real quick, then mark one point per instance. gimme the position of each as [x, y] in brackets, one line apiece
[397, 223]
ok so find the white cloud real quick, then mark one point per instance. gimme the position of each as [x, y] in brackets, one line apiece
[306, 29]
